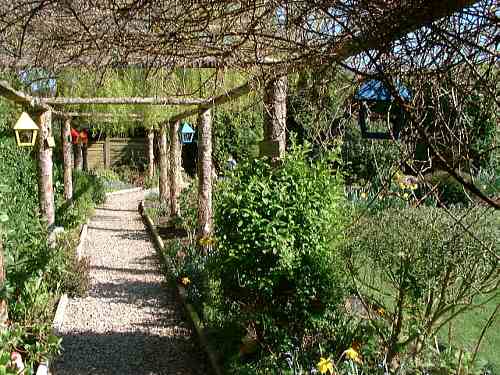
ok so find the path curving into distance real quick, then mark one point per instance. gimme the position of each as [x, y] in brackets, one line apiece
[130, 321]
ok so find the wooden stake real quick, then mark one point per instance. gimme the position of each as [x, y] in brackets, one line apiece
[67, 159]
[85, 160]
[163, 178]
[175, 160]
[45, 186]
[205, 217]
[151, 153]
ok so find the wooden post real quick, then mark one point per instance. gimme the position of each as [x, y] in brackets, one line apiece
[151, 153]
[274, 143]
[107, 152]
[175, 168]
[163, 177]
[67, 159]
[4, 312]
[205, 217]
[85, 160]
[45, 187]
[78, 156]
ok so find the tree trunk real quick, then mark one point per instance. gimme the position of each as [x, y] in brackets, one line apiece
[78, 156]
[163, 178]
[67, 159]
[175, 160]
[4, 312]
[205, 217]
[45, 187]
[151, 153]
[275, 94]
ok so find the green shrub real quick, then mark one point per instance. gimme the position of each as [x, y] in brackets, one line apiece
[449, 190]
[424, 267]
[188, 202]
[32, 267]
[88, 190]
[236, 134]
[277, 230]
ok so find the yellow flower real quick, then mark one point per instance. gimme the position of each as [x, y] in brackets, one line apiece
[381, 311]
[363, 195]
[401, 185]
[185, 281]
[325, 365]
[353, 355]
[206, 241]
[413, 187]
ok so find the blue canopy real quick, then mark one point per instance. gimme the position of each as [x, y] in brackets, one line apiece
[375, 90]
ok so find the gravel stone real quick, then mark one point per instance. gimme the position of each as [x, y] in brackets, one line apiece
[130, 322]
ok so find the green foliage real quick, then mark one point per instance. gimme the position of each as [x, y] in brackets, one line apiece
[36, 273]
[31, 266]
[277, 230]
[449, 190]
[367, 161]
[73, 274]
[424, 267]
[236, 134]
[188, 202]
[37, 344]
[88, 190]
[189, 263]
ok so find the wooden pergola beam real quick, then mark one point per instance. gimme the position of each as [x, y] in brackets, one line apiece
[215, 101]
[18, 97]
[124, 101]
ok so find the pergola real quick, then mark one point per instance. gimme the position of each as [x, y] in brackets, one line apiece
[270, 52]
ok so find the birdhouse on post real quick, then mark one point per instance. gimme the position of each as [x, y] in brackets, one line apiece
[186, 133]
[26, 131]
[376, 101]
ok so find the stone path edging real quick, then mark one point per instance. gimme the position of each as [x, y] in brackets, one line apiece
[181, 292]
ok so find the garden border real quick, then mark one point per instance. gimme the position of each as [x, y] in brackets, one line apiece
[45, 367]
[181, 292]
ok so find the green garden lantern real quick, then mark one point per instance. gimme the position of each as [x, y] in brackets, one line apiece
[26, 131]
[375, 97]
[186, 133]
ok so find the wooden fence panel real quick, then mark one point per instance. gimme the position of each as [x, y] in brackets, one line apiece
[130, 151]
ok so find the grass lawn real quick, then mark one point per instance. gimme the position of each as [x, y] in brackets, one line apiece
[467, 328]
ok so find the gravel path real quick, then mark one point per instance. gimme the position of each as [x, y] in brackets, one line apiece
[129, 323]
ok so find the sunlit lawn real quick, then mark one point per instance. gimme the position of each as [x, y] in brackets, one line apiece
[467, 328]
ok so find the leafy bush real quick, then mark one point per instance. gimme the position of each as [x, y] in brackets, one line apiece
[31, 284]
[189, 270]
[236, 134]
[277, 230]
[188, 202]
[424, 267]
[88, 190]
[35, 272]
[449, 190]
